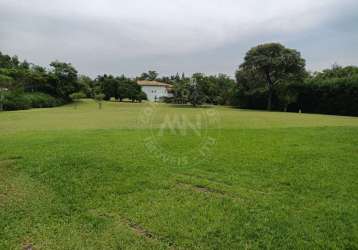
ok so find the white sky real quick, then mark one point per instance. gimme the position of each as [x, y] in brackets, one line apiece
[211, 36]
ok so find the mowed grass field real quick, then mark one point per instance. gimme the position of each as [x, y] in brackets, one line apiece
[86, 179]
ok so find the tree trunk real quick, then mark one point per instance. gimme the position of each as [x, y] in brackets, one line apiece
[1, 101]
[270, 91]
[269, 100]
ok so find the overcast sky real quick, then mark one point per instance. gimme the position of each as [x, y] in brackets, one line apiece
[210, 36]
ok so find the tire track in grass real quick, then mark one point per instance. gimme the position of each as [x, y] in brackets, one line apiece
[199, 188]
[142, 232]
[211, 180]
[135, 227]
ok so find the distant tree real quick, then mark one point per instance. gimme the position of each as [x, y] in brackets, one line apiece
[86, 85]
[196, 94]
[181, 90]
[151, 75]
[336, 71]
[76, 97]
[274, 63]
[225, 87]
[124, 88]
[99, 99]
[5, 83]
[108, 85]
[133, 90]
[64, 79]
[141, 96]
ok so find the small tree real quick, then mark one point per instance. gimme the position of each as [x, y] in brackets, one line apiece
[99, 98]
[196, 94]
[77, 96]
[5, 82]
[2, 91]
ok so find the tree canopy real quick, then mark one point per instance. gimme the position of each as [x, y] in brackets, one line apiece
[272, 63]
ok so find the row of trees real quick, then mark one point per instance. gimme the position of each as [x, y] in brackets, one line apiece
[199, 89]
[24, 85]
[119, 88]
[271, 77]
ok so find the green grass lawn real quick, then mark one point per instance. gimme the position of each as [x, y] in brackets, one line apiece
[86, 179]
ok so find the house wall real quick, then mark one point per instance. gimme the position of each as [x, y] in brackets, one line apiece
[155, 92]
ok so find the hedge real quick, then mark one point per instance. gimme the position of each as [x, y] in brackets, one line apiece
[337, 96]
[22, 100]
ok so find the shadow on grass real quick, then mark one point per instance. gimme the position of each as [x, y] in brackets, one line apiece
[189, 106]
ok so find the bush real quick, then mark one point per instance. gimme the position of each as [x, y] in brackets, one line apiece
[254, 99]
[338, 96]
[21, 100]
[335, 96]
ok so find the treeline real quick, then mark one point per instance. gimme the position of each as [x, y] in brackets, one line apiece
[25, 85]
[201, 89]
[271, 77]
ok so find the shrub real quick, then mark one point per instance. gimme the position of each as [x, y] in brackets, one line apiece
[336, 96]
[20, 100]
[330, 96]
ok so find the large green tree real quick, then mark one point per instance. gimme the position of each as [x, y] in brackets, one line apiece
[274, 63]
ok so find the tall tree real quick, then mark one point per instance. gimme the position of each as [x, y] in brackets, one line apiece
[274, 63]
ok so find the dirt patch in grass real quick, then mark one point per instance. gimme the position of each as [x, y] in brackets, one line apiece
[138, 229]
[207, 190]
[28, 247]
[142, 232]
[199, 188]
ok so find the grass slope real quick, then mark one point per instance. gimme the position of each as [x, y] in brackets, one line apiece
[84, 179]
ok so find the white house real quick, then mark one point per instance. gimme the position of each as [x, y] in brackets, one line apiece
[155, 90]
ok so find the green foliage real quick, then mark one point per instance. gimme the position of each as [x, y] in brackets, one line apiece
[77, 95]
[119, 87]
[328, 96]
[86, 86]
[196, 94]
[60, 82]
[141, 96]
[64, 79]
[332, 91]
[336, 72]
[207, 89]
[271, 63]
[21, 100]
[151, 75]
[99, 97]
